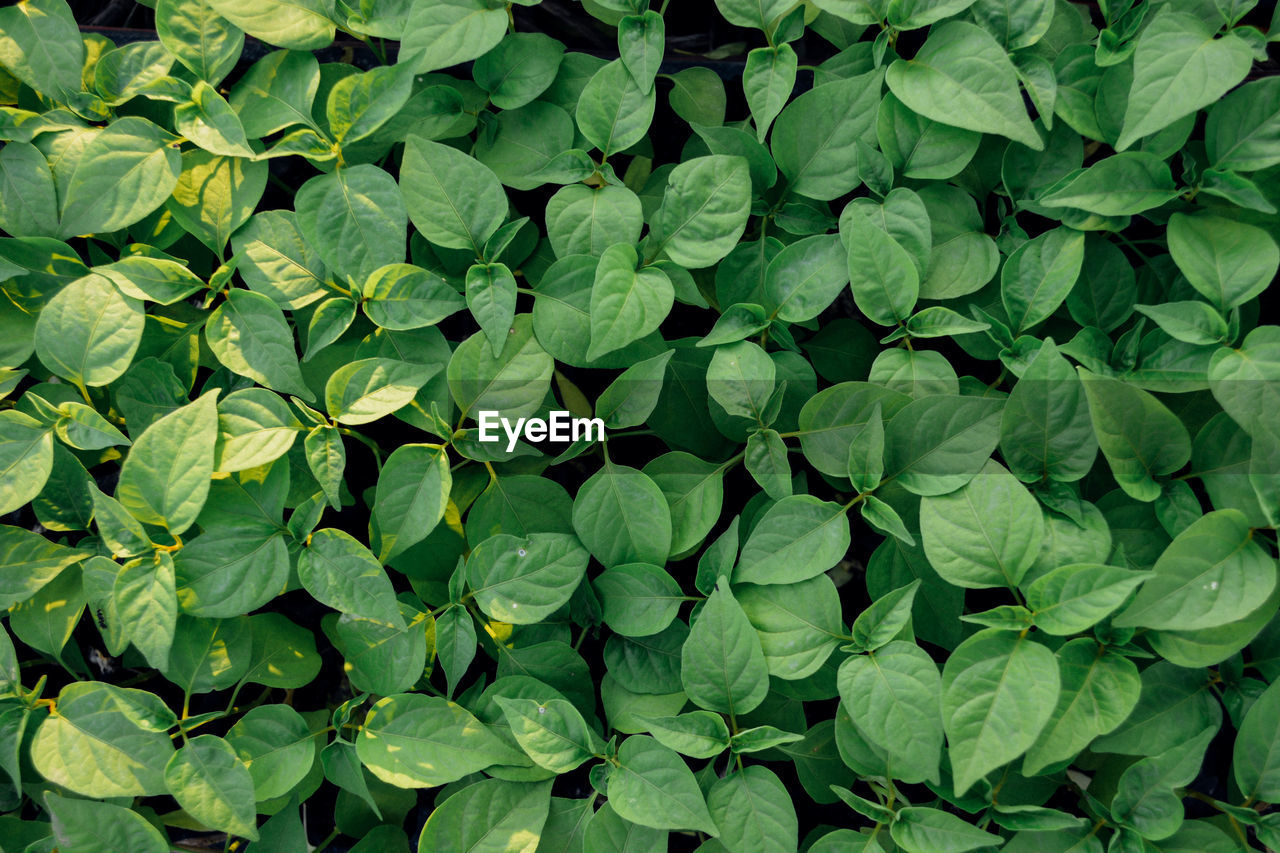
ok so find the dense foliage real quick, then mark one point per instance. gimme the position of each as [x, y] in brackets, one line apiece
[938, 506]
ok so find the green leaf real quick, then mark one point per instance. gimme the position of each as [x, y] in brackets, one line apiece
[917, 829]
[525, 580]
[885, 618]
[622, 516]
[514, 383]
[553, 733]
[1045, 430]
[147, 605]
[124, 173]
[26, 459]
[274, 743]
[413, 490]
[355, 218]
[894, 689]
[798, 624]
[416, 741]
[440, 33]
[806, 277]
[455, 201]
[963, 77]
[631, 398]
[490, 816]
[88, 332]
[402, 296]
[614, 111]
[753, 810]
[653, 787]
[165, 478]
[1256, 756]
[28, 199]
[986, 533]
[638, 599]
[105, 741]
[295, 24]
[276, 92]
[815, 138]
[936, 444]
[1139, 436]
[370, 388]
[1211, 574]
[1099, 690]
[40, 44]
[1240, 129]
[519, 69]
[213, 785]
[1072, 598]
[1179, 67]
[340, 572]
[766, 461]
[1119, 185]
[797, 538]
[491, 298]
[96, 827]
[1228, 262]
[626, 303]
[884, 279]
[704, 210]
[999, 690]
[1038, 276]
[361, 103]
[767, 80]
[722, 665]
[250, 336]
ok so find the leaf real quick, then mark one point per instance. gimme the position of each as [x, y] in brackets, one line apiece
[622, 516]
[416, 741]
[41, 46]
[123, 174]
[918, 829]
[274, 743]
[165, 478]
[987, 533]
[614, 111]
[798, 624]
[1119, 185]
[1139, 436]
[295, 24]
[97, 827]
[147, 605]
[767, 80]
[250, 336]
[491, 298]
[213, 785]
[413, 490]
[370, 388]
[1099, 690]
[704, 210]
[626, 303]
[1038, 276]
[766, 461]
[1211, 574]
[355, 219]
[1070, 599]
[276, 92]
[105, 741]
[340, 572]
[525, 580]
[402, 296]
[553, 733]
[797, 538]
[629, 399]
[26, 459]
[806, 277]
[1045, 430]
[638, 599]
[440, 33]
[653, 787]
[884, 280]
[1228, 262]
[455, 201]
[514, 383]
[894, 689]
[741, 379]
[935, 445]
[359, 104]
[999, 690]
[815, 138]
[962, 77]
[1179, 67]
[754, 811]
[28, 199]
[1256, 755]
[641, 41]
[491, 816]
[885, 618]
[722, 665]
[1240, 129]
[88, 332]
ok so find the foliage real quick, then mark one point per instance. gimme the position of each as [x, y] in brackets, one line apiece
[937, 509]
